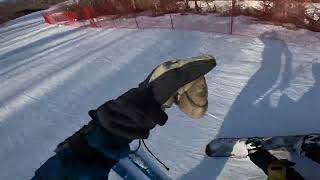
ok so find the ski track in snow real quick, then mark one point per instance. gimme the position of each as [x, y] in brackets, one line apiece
[50, 77]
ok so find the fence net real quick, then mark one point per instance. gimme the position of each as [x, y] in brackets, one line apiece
[241, 17]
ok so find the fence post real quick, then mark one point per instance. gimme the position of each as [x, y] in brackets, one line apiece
[135, 15]
[114, 23]
[232, 15]
[171, 21]
[135, 19]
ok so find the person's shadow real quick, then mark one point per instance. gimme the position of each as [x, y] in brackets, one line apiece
[305, 109]
[251, 112]
[249, 115]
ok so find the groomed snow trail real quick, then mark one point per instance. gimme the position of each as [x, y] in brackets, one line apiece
[50, 77]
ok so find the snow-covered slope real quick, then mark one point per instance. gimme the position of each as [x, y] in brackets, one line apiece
[50, 77]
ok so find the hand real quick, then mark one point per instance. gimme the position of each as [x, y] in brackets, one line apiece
[135, 113]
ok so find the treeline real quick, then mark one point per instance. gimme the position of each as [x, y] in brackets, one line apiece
[12, 9]
[301, 13]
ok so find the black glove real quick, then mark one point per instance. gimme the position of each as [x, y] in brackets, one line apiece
[273, 167]
[131, 115]
[135, 113]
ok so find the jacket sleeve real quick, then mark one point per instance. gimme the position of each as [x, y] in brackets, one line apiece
[91, 152]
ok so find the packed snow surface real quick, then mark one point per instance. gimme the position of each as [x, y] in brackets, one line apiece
[50, 76]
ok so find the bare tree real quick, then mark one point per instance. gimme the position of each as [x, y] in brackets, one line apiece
[208, 6]
[197, 6]
[186, 3]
